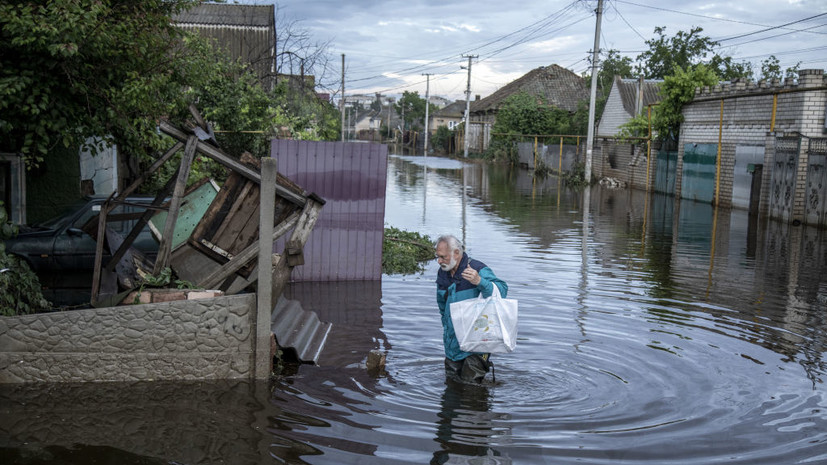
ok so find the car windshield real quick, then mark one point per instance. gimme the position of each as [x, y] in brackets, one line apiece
[63, 218]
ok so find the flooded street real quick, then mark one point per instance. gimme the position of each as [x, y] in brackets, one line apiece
[651, 333]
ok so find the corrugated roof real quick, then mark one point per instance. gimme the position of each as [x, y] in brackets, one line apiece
[557, 85]
[628, 89]
[223, 14]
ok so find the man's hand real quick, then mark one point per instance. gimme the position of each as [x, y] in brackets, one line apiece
[471, 275]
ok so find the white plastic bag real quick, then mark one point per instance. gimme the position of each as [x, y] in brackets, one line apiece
[485, 325]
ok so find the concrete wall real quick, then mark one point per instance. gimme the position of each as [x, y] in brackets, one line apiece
[179, 340]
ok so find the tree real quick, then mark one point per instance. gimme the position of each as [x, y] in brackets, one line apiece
[667, 53]
[727, 70]
[677, 90]
[613, 65]
[413, 107]
[72, 70]
[297, 52]
[523, 113]
[771, 69]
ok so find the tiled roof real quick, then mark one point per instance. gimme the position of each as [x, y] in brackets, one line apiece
[557, 85]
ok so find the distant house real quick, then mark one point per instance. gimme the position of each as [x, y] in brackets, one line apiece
[627, 99]
[247, 32]
[559, 88]
[440, 102]
[450, 116]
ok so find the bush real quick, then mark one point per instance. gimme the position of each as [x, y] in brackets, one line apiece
[19, 287]
[404, 252]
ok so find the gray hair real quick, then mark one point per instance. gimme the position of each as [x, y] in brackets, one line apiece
[452, 241]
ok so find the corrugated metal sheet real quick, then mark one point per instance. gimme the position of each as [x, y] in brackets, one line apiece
[346, 243]
[247, 32]
[298, 331]
[228, 15]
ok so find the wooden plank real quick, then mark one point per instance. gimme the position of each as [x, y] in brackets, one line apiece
[130, 238]
[154, 167]
[96, 274]
[164, 249]
[241, 259]
[228, 161]
[304, 226]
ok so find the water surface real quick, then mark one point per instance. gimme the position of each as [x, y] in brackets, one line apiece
[651, 332]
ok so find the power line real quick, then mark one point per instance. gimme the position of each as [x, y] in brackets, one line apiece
[775, 27]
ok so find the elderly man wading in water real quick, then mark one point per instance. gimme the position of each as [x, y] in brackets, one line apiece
[461, 278]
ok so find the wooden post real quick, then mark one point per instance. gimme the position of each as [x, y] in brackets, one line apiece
[265, 302]
[165, 247]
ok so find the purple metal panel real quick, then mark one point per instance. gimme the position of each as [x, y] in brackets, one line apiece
[346, 243]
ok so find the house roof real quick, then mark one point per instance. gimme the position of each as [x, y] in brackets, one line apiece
[557, 85]
[454, 110]
[628, 90]
[223, 14]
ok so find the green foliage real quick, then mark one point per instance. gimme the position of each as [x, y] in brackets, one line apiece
[771, 69]
[635, 127]
[403, 252]
[19, 287]
[665, 54]
[676, 91]
[523, 113]
[72, 70]
[413, 107]
[577, 176]
[727, 70]
[163, 280]
[441, 140]
[502, 149]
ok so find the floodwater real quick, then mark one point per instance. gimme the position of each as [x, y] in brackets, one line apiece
[651, 332]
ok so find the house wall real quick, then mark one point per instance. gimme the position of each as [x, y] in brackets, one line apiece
[614, 115]
[747, 119]
[179, 340]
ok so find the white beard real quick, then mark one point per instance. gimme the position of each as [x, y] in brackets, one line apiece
[450, 265]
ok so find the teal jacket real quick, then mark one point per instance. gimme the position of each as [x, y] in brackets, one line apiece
[455, 288]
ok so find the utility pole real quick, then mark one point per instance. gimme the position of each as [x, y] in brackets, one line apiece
[343, 97]
[593, 96]
[468, 103]
[427, 105]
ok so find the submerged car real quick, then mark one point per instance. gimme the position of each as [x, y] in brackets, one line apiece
[62, 253]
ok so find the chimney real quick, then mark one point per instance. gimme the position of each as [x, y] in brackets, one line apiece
[477, 98]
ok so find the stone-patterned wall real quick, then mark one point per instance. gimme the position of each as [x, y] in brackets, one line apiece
[181, 340]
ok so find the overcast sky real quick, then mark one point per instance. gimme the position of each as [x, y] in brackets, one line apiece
[389, 45]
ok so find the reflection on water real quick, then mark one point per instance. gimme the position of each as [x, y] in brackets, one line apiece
[678, 335]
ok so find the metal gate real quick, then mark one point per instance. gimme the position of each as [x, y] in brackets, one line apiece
[782, 190]
[815, 210]
[747, 160]
[699, 164]
[666, 171]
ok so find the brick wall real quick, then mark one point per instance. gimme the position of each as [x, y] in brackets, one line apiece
[180, 340]
[747, 119]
